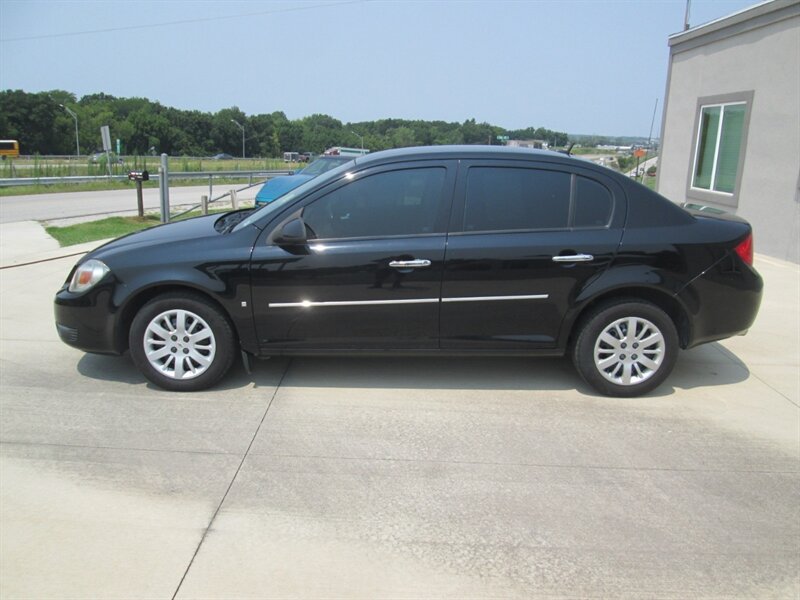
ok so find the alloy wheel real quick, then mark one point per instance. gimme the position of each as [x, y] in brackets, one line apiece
[179, 344]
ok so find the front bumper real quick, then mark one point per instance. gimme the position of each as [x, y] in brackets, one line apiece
[88, 321]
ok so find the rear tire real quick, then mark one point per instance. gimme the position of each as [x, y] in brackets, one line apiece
[625, 348]
[182, 342]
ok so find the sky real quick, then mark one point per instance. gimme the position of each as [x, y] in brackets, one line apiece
[579, 66]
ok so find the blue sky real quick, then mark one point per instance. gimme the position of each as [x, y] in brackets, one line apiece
[581, 66]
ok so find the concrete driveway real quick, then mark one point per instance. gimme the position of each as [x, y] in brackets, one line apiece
[397, 478]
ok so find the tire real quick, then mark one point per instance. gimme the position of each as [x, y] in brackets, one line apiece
[181, 342]
[615, 362]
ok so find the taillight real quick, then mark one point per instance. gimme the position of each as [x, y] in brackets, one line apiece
[745, 249]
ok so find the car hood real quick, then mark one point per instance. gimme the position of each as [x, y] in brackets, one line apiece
[191, 229]
[278, 186]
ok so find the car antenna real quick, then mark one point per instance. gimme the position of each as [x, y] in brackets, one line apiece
[568, 151]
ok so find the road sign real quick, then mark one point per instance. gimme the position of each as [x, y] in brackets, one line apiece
[105, 133]
[639, 152]
[502, 138]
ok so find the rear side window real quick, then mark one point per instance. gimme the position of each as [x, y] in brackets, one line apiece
[513, 198]
[507, 198]
[593, 204]
[404, 202]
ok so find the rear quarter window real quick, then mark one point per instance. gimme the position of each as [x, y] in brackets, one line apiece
[593, 204]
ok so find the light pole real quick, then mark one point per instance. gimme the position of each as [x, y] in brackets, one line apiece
[362, 140]
[242, 128]
[77, 139]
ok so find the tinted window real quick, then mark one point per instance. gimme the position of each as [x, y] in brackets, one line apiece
[592, 204]
[503, 198]
[394, 203]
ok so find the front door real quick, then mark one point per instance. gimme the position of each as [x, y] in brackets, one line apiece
[369, 276]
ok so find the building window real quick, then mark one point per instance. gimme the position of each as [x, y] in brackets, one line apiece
[720, 132]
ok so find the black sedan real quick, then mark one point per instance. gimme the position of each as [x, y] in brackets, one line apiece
[445, 250]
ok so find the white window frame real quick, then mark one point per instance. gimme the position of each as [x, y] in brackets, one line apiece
[726, 199]
[722, 108]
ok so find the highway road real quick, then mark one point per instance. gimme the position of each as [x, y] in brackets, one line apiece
[51, 207]
[650, 162]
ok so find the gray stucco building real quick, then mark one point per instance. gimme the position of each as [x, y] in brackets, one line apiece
[731, 123]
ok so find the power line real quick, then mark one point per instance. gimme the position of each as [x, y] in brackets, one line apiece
[181, 22]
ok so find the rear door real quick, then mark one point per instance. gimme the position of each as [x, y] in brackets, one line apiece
[525, 239]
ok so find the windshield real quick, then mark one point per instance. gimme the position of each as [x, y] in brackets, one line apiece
[323, 165]
[279, 203]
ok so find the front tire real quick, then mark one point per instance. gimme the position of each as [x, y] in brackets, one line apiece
[182, 342]
[625, 348]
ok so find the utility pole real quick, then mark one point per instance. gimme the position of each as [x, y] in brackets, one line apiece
[652, 122]
[242, 128]
[362, 140]
[77, 139]
[686, 15]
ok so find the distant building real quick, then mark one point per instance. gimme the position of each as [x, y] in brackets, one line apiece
[613, 148]
[731, 124]
[536, 144]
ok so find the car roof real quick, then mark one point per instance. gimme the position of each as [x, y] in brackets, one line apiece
[495, 152]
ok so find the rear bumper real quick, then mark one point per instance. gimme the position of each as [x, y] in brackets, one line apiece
[722, 302]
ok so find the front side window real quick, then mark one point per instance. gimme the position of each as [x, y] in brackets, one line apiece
[719, 143]
[403, 202]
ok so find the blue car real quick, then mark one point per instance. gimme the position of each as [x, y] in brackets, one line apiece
[278, 186]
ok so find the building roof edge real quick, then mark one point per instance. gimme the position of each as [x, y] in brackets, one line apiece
[763, 13]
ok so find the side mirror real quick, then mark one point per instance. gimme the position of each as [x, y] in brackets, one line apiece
[293, 233]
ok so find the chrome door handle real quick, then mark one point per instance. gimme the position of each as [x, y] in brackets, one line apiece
[410, 264]
[574, 258]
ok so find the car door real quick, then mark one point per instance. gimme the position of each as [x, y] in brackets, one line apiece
[369, 275]
[525, 239]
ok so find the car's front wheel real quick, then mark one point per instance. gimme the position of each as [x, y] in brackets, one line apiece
[625, 348]
[182, 342]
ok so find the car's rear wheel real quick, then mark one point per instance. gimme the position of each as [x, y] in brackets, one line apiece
[625, 348]
[182, 342]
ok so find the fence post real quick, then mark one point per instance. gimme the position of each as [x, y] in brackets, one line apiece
[204, 204]
[139, 199]
[234, 200]
[163, 185]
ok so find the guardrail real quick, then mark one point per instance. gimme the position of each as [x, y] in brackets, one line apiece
[209, 175]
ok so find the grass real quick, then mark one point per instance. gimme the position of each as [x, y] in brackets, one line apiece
[111, 227]
[44, 166]
[38, 166]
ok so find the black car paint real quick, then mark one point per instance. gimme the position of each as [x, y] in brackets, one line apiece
[651, 249]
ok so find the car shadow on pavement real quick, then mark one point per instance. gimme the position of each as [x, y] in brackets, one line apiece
[709, 365]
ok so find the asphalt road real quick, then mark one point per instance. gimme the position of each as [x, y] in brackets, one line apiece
[51, 207]
[397, 478]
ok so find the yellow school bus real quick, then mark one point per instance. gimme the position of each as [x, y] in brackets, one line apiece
[9, 148]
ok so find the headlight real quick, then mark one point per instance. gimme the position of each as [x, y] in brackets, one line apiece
[88, 275]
